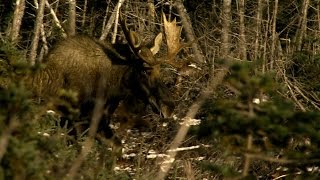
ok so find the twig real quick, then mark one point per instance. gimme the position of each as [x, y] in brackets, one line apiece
[288, 84]
[304, 96]
[5, 136]
[55, 19]
[282, 161]
[110, 21]
[97, 114]
[167, 163]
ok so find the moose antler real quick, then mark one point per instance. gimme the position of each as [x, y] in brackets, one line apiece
[174, 46]
[173, 33]
[134, 41]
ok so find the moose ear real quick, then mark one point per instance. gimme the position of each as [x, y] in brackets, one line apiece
[135, 39]
[157, 43]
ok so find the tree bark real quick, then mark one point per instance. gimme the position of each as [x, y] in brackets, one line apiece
[266, 38]
[17, 20]
[226, 20]
[44, 49]
[303, 24]
[274, 34]
[258, 30]
[37, 28]
[243, 44]
[84, 14]
[72, 18]
[105, 17]
[189, 30]
[151, 15]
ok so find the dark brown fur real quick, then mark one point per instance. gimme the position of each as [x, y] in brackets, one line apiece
[85, 66]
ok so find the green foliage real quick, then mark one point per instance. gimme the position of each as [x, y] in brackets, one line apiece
[272, 122]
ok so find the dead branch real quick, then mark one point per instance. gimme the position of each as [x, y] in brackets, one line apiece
[55, 19]
[189, 30]
[207, 92]
[111, 20]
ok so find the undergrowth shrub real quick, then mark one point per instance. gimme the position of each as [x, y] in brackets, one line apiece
[255, 122]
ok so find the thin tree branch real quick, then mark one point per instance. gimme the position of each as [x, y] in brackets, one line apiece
[207, 92]
[189, 30]
[56, 20]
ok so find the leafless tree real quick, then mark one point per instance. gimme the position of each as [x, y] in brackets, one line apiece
[274, 34]
[111, 21]
[226, 20]
[72, 18]
[151, 14]
[17, 20]
[258, 29]
[302, 24]
[242, 43]
[189, 30]
[37, 29]
[84, 13]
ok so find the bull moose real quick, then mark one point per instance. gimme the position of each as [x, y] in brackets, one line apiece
[111, 73]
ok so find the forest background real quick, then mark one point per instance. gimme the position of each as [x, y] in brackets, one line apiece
[252, 79]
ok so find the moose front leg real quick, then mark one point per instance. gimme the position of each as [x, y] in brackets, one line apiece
[103, 127]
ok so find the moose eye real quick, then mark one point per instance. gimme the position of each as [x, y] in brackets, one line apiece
[147, 71]
[144, 72]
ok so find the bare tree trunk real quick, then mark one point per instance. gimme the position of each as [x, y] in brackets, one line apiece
[303, 24]
[84, 13]
[107, 28]
[274, 34]
[44, 49]
[17, 20]
[318, 18]
[151, 15]
[226, 20]
[105, 17]
[37, 28]
[258, 29]
[317, 34]
[189, 30]
[243, 44]
[266, 39]
[72, 18]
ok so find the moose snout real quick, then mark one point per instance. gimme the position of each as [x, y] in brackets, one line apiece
[164, 108]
